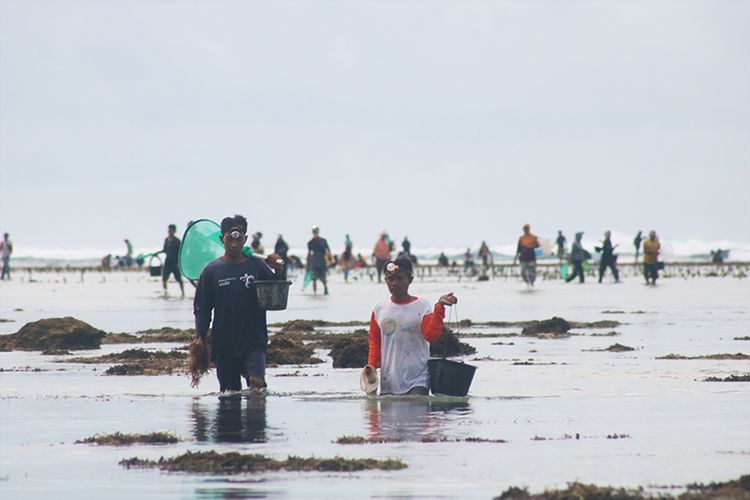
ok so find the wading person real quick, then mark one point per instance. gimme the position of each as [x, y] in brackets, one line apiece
[239, 334]
[281, 248]
[651, 248]
[637, 244]
[171, 253]
[401, 329]
[526, 254]
[6, 248]
[577, 257]
[318, 255]
[609, 259]
[347, 261]
[560, 241]
[382, 253]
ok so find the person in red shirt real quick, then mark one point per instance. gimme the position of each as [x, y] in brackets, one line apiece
[401, 329]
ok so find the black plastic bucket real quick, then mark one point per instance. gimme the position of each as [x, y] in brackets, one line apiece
[272, 294]
[450, 377]
[154, 269]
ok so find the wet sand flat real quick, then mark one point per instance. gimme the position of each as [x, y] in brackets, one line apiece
[547, 406]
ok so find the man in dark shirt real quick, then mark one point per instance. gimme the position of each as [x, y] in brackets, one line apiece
[318, 254]
[239, 334]
[171, 251]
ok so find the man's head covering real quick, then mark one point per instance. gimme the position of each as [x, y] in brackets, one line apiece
[237, 222]
[579, 235]
[404, 265]
[315, 229]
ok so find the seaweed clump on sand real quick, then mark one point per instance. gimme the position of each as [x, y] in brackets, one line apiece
[350, 351]
[717, 357]
[554, 325]
[300, 325]
[138, 362]
[575, 490]
[53, 336]
[735, 488]
[164, 334]
[284, 350]
[120, 439]
[617, 347]
[730, 378]
[212, 462]
[448, 345]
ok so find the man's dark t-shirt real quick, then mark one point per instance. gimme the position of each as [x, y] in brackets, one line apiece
[239, 325]
[171, 250]
[318, 248]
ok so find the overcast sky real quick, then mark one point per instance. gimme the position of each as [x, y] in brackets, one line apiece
[449, 121]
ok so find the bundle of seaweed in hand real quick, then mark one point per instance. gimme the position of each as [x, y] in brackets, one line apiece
[198, 361]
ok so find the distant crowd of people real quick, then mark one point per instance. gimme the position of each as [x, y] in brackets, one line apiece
[573, 263]
[320, 260]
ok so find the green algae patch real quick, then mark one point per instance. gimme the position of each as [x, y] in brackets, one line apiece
[730, 378]
[53, 336]
[211, 462]
[735, 489]
[717, 357]
[120, 439]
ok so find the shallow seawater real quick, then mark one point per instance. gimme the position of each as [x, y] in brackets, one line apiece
[555, 413]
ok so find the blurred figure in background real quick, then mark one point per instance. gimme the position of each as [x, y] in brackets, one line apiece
[256, 245]
[651, 249]
[577, 257]
[637, 244]
[560, 241]
[171, 251]
[6, 248]
[282, 248]
[382, 253]
[318, 255]
[609, 259]
[347, 261]
[526, 254]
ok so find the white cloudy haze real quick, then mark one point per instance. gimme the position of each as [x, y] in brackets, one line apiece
[449, 121]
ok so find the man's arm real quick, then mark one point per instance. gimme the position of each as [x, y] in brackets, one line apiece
[432, 323]
[518, 252]
[373, 353]
[202, 307]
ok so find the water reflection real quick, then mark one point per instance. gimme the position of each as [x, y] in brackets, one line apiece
[412, 418]
[236, 419]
